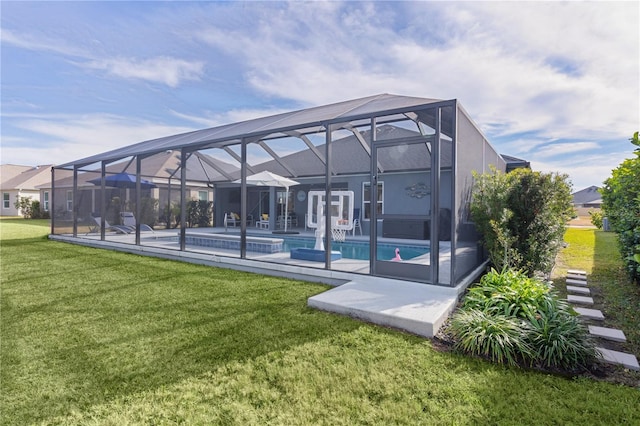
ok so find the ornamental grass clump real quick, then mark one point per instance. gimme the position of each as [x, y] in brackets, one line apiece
[498, 337]
[511, 318]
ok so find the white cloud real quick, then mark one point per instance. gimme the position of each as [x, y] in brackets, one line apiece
[559, 149]
[70, 137]
[30, 42]
[166, 70]
[561, 69]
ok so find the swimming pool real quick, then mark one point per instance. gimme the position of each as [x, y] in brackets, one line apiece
[358, 250]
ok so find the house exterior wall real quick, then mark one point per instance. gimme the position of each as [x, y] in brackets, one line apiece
[15, 195]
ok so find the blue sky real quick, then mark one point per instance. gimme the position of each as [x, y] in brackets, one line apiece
[556, 83]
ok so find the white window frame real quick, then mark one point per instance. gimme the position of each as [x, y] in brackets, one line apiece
[45, 201]
[200, 195]
[366, 204]
[6, 200]
[69, 200]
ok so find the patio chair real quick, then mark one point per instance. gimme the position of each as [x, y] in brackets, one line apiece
[263, 222]
[120, 229]
[129, 220]
[231, 219]
[356, 221]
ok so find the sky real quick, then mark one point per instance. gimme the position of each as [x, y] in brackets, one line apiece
[554, 83]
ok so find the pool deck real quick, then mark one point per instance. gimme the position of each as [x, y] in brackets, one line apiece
[414, 307]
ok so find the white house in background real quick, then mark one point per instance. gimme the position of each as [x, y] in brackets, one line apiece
[22, 181]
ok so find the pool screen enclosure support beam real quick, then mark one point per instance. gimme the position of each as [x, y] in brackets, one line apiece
[327, 199]
[435, 201]
[74, 202]
[373, 202]
[138, 206]
[183, 197]
[103, 200]
[243, 199]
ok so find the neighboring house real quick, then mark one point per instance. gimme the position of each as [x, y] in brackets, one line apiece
[515, 163]
[587, 199]
[161, 169]
[23, 181]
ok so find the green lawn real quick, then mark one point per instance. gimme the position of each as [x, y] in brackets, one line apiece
[91, 336]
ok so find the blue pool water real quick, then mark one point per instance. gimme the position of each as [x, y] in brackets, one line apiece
[357, 250]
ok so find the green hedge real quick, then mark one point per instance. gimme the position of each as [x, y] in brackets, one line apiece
[621, 204]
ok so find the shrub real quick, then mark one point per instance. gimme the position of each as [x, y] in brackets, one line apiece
[498, 337]
[521, 217]
[509, 316]
[621, 204]
[199, 213]
[29, 209]
[508, 293]
[559, 339]
[596, 218]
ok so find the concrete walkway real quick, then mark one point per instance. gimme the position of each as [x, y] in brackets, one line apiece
[417, 308]
[579, 281]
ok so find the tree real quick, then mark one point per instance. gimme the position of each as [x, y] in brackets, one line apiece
[621, 204]
[522, 217]
[24, 206]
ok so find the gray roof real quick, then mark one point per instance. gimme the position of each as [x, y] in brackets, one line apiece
[304, 121]
[163, 165]
[587, 195]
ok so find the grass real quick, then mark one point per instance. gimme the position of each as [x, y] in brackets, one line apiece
[597, 253]
[91, 336]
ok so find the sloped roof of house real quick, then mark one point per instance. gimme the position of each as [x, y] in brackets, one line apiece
[9, 171]
[303, 121]
[28, 179]
[587, 195]
[515, 162]
[163, 165]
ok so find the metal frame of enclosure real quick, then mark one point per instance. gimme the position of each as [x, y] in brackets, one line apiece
[408, 161]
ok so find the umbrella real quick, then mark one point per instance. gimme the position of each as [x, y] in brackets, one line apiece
[266, 178]
[122, 180]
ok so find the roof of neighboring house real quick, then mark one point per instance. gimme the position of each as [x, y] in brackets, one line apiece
[28, 179]
[589, 195]
[163, 165]
[515, 163]
[9, 171]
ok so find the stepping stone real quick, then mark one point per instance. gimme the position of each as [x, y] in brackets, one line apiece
[593, 314]
[584, 300]
[614, 357]
[577, 272]
[577, 277]
[608, 333]
[578, 290]
[577, 282]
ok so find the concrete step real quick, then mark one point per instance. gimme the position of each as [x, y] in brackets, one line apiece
[583, 300]
[577, 272]
[620, 358]
[577, 277]
[418, 308]
[587, 313]
[578, 290]
[577, 282]
[608, 333]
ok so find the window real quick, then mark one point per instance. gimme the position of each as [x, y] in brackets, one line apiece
[203, 195]
[69, 201]
[366, 199]
[45, 202]
[6, 200]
